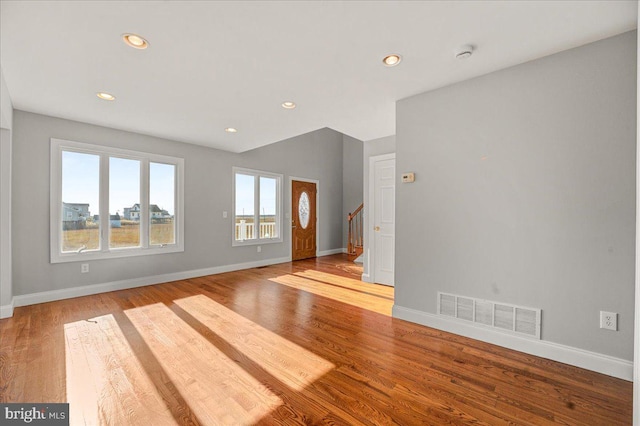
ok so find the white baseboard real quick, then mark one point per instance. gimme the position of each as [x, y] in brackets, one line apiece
[330, 252]
[68, 293]
[366, 278]
[600, 363]
[6, 311]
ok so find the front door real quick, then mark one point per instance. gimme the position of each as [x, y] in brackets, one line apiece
[384, 170]
[303, 220]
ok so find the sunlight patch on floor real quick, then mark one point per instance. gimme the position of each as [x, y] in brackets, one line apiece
[217, 389]
[286, 361]
[357, 285]
[345, 290]
[106, 383]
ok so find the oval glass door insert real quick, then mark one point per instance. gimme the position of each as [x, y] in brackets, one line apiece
[303, 210]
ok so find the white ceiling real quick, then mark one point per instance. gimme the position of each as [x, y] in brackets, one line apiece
[213, 65]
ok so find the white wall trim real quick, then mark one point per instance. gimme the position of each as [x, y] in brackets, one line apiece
[6, 311]
[68, 293]
[600, 363]
[367, 263]
[330, 252]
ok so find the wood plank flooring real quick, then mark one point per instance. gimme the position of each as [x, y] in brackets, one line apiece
[296, 343]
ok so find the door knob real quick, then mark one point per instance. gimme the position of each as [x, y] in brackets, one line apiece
[376, 228]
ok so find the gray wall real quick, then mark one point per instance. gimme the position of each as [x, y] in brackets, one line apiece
[316, 155]
[525, 192]
[386, 145]
[352, 177]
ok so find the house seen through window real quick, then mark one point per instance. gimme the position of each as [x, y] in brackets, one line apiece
[80, 190]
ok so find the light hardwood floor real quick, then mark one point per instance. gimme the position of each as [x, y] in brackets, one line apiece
[296, 343]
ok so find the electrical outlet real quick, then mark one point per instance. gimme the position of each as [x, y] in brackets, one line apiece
[609, 320]
[84, 268]
[259, 249]
[224, 215]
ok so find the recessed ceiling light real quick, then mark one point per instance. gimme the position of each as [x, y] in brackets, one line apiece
[231, 130]
[288, 105]
[105, 96]
[392, 60]
[463, 52]
[135, 41]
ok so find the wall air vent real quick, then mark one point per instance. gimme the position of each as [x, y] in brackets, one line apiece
[484, 313]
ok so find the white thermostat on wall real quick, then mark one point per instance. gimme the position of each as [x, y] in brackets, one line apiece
[408, 177]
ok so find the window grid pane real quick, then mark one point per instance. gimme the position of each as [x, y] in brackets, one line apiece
[245, 212]
[80, 202]
[124, 202]
[162, 227]
[268, 200]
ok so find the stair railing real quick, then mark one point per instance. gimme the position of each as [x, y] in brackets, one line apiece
[354, 239]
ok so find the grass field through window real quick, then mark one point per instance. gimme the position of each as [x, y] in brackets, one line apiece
[126, 236]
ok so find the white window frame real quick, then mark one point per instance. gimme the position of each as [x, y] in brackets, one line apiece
[256, 206]
[105, 252]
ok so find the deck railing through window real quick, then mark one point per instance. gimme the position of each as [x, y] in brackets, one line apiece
[246, 230]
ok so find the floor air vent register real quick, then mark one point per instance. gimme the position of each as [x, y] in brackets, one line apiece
[485, 313]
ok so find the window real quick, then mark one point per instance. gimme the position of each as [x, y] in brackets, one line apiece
[108, 202]
[257, 206]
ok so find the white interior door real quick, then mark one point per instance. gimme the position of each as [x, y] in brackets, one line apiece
[384, 220]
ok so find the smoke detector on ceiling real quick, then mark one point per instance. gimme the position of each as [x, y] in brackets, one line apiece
[463, 52]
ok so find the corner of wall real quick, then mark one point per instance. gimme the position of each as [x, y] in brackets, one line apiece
[352, 183]
[6, 247]
[6, 311]
[636, 365]
[6, 106]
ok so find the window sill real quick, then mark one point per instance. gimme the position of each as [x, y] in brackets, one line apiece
[114, 254]
[236, 243]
